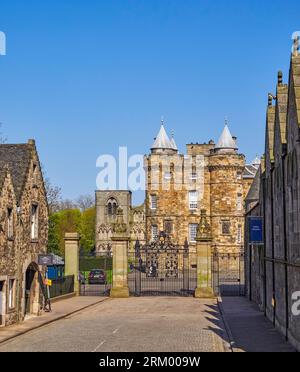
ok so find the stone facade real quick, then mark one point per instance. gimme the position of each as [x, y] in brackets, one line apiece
[23, 231]
[273, 269]
[107, 204]
[211, 177]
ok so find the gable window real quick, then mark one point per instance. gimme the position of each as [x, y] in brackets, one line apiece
[11, 293]
[10, 223]
[153, 202]
[34, 172]
[34, 222]
[193, 227]
[112, 207]
[154, 232]
[193, 199]
[225, 227]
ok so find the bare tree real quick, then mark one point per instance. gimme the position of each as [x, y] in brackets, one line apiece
[85, 202]
[53, 196]
[67, 204]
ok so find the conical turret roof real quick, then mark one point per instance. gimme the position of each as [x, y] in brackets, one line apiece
[162, 141]
[226, 141]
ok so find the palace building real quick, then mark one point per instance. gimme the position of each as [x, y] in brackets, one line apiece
[211, 176]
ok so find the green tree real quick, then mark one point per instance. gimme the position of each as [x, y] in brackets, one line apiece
[72, 220]
[87, 230]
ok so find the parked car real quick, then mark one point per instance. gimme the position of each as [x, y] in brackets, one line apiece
[97, 277]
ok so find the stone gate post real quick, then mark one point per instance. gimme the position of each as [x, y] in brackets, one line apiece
[72, 258]
[120, 242]
[204, 240]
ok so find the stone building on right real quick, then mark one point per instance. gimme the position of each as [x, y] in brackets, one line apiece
[273, 268]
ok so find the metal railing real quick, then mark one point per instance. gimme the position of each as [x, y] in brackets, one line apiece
[62, 286]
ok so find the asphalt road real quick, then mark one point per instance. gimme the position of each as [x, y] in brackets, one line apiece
[149, 324]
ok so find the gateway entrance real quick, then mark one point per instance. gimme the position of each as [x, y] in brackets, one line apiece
[162, 269]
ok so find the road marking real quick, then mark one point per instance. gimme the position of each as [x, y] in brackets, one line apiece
[98, 347]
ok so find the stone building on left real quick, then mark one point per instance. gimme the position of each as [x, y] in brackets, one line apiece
[23, 231]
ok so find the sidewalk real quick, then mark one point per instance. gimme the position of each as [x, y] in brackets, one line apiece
[249, 329]
[60, 310]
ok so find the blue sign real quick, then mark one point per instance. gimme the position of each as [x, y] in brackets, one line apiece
[255, 230]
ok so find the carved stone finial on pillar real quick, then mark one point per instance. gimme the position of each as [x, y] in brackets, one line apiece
[204, 228]
[204, 240]
[120, 227]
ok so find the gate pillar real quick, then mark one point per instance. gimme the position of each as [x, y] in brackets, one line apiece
[204, 240]
[120, 242]
[72, 258]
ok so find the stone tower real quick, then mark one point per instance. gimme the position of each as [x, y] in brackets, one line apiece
[107, 204]
[226, 167]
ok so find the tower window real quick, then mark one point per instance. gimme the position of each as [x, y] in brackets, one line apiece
[225, 227]
[239, 234]
[154, 232]
[168, 227]
[153, 202]
[193, 227]
[239, 202]
[193, 199]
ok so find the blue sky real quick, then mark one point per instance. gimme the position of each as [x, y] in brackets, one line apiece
[84, 77]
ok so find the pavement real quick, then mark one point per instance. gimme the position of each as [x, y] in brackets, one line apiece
[137, 324]
[249, 330]
[147, 324]
[60, 310]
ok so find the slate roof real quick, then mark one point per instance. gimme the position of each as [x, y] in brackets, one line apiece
[253, 194]
[17, 158]
[173, 143]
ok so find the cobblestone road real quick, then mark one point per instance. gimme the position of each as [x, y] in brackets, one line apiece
[151, 324]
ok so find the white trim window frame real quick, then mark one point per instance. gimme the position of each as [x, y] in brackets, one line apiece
[153, 202]
[193, 200]
[193, 227]
[154, 232]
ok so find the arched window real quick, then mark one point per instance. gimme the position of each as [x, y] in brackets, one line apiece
[112, 207]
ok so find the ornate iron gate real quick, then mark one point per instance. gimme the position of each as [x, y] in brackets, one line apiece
[162, 269]
[228, 274]
[95, 274]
